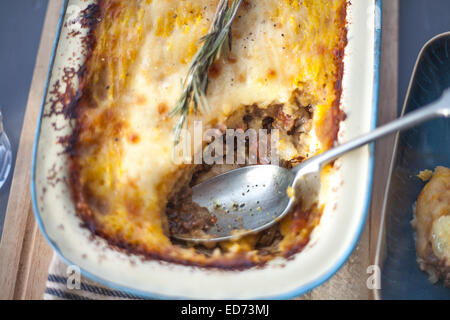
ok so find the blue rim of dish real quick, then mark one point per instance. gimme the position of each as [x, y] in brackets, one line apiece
[294, 293]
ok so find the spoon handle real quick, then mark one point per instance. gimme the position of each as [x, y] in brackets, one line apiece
[440, 108]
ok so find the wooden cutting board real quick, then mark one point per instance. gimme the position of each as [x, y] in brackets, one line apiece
[25, 256]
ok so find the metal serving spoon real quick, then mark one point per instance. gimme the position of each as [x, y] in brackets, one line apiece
[253, 198]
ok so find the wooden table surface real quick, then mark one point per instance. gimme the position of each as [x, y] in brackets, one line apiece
[25, 256]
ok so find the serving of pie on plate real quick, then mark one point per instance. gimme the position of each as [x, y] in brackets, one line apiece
[284, 72]
[432, 224]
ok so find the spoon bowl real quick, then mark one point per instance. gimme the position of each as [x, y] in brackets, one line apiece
[235, 199]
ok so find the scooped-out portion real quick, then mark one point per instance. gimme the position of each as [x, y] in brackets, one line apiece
[186, 217]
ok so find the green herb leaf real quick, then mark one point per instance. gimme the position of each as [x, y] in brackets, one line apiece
[215, 46]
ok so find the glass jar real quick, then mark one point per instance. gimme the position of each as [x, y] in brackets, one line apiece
[5, 154]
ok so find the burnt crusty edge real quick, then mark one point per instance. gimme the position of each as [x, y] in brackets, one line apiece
[437, 269]
[328, 134]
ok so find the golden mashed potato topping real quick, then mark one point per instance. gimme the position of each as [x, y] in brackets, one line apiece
[432, 224]
[285, 69]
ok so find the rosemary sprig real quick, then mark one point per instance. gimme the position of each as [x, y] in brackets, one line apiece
[196, 82]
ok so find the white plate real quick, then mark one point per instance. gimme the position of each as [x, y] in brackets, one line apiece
[332, 241]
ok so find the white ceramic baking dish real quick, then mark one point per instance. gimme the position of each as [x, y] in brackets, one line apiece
[332, 241]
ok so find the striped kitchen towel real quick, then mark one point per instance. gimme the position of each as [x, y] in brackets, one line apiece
[63, 283]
